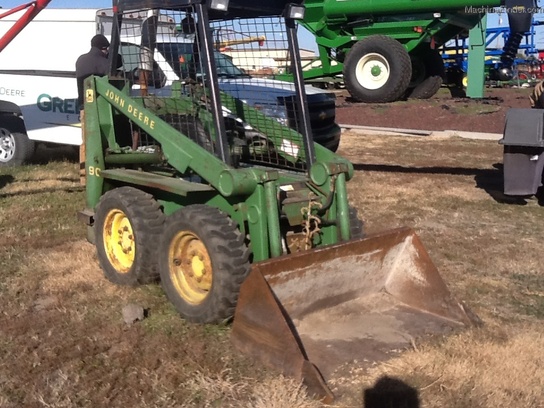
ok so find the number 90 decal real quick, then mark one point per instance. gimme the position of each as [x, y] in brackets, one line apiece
[94, 171]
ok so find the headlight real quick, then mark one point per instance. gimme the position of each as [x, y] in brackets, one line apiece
[277, 112]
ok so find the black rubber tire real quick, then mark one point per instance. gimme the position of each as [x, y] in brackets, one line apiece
[427, 74]
[16, 148]
[356, 226]
[454, 77]
[334, 147]
[213, 243]
[146, 221]
[391, 53]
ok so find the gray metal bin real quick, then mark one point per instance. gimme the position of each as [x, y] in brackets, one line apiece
[523, 157]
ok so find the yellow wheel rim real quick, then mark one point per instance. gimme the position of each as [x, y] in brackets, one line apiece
[119, 241]
[190, 267]
[465, 81]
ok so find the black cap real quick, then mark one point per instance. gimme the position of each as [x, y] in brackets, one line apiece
[99, 41]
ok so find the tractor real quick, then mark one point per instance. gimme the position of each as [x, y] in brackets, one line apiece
[239, 213]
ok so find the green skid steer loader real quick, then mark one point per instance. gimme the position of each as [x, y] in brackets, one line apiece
[193, 178]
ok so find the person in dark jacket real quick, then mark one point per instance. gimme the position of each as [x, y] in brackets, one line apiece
[95, 62]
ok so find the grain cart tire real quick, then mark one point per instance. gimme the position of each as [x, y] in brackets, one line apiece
[203, 261]
[15, 146]
[427, 74]
[334, 147]
[355, 224]
[377, 69]
[128, 223]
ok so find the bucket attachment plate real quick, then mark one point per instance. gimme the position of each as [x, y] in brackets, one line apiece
[308, 313]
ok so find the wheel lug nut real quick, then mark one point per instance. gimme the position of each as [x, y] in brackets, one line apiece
[177, 262]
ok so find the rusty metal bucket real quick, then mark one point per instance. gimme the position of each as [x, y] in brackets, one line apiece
[308, 313]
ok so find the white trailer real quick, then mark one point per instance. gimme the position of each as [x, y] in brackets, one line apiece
[38, 90]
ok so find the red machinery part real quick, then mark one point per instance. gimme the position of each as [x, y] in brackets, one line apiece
[32, 10]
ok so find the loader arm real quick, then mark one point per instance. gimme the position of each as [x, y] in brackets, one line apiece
[190, 155]
[181, 155]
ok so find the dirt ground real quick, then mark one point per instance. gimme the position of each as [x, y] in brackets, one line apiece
[441, 112]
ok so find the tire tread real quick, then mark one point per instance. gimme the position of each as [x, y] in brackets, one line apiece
[230, 259]
[147, 221]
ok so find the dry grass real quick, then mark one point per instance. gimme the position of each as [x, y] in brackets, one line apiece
[491, 367]
[281, 393]
[62, 339]
[63, 342]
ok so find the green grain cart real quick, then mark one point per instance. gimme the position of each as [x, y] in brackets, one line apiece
[386, 50]
[240, 215]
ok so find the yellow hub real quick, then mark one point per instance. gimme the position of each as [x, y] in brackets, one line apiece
[190, 267]
[119, 241]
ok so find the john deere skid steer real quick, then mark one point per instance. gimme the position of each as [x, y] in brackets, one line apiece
[202, 172]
